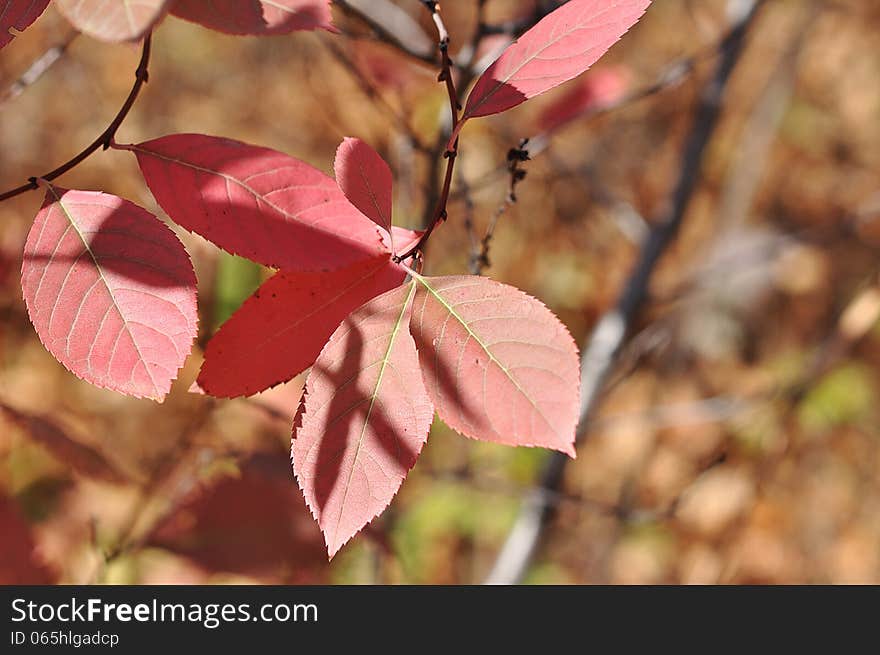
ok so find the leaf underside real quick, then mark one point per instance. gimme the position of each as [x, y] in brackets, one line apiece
[258, 17]
[246, 524]
[364, 418]
[498, 365]
[113, 20]
[110, 291]
[365, 179]
[561, 46]
[18, 15]
[257, 203]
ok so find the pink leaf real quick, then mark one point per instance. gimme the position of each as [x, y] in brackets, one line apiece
[560, 47]
[110, 291]
[17, 15]
[365, 179]
[278, 332]
[250, 523]
[364, 418]
[404, 239]
[117, 20]
[258, 203]
[498, 365]
[594, 92]
[262, 17]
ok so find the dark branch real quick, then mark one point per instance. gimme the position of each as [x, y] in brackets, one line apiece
[104, 139]
[391, 25]
[610, 332]
[450, 155]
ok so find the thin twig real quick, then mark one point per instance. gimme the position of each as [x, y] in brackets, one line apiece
[516, 157]
[373, 93]
[669, 78]
[386, 20]
[611, 330]
[129, 537]
[439, 214]
[106, 137]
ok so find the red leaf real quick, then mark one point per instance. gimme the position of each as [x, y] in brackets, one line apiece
[404, 239]
[17, 15]
[383, 67]
[560, 47]
[18, 562]
[498, 365]
[81, 458]
[279, 331]
[252, 524]
[256, 202]
[599, 89]
[110, 291]
[364, 418]
[262, 17]
[365, 179]
[119, 20]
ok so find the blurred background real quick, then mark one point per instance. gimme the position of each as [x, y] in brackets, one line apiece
[736, 439]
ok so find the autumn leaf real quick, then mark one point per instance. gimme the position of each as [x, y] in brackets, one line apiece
[110, 291]
[120, 20]
[364, 418]
[278, 332]
[561, 46]
[404, 239]
[365, 179]
[249, 523]
[257, 203]
[594, 92]
[498, 365]
[17, 16]
[258, 17]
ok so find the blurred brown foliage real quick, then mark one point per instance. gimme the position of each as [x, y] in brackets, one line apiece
[738, 440]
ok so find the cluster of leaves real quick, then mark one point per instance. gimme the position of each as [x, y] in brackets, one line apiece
[112, 293]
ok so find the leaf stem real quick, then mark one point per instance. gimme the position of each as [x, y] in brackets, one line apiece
[104, 140]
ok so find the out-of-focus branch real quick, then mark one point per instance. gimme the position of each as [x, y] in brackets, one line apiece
[479, 258]
[446, 76]
[610, 332]
[38, 68]
[392, 25]
[671, 77]
[374, 94]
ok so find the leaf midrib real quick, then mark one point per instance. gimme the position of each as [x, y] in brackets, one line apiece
[229, 178]
[526, 62]
[385, 360]
[449, 308]
[100, 271]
